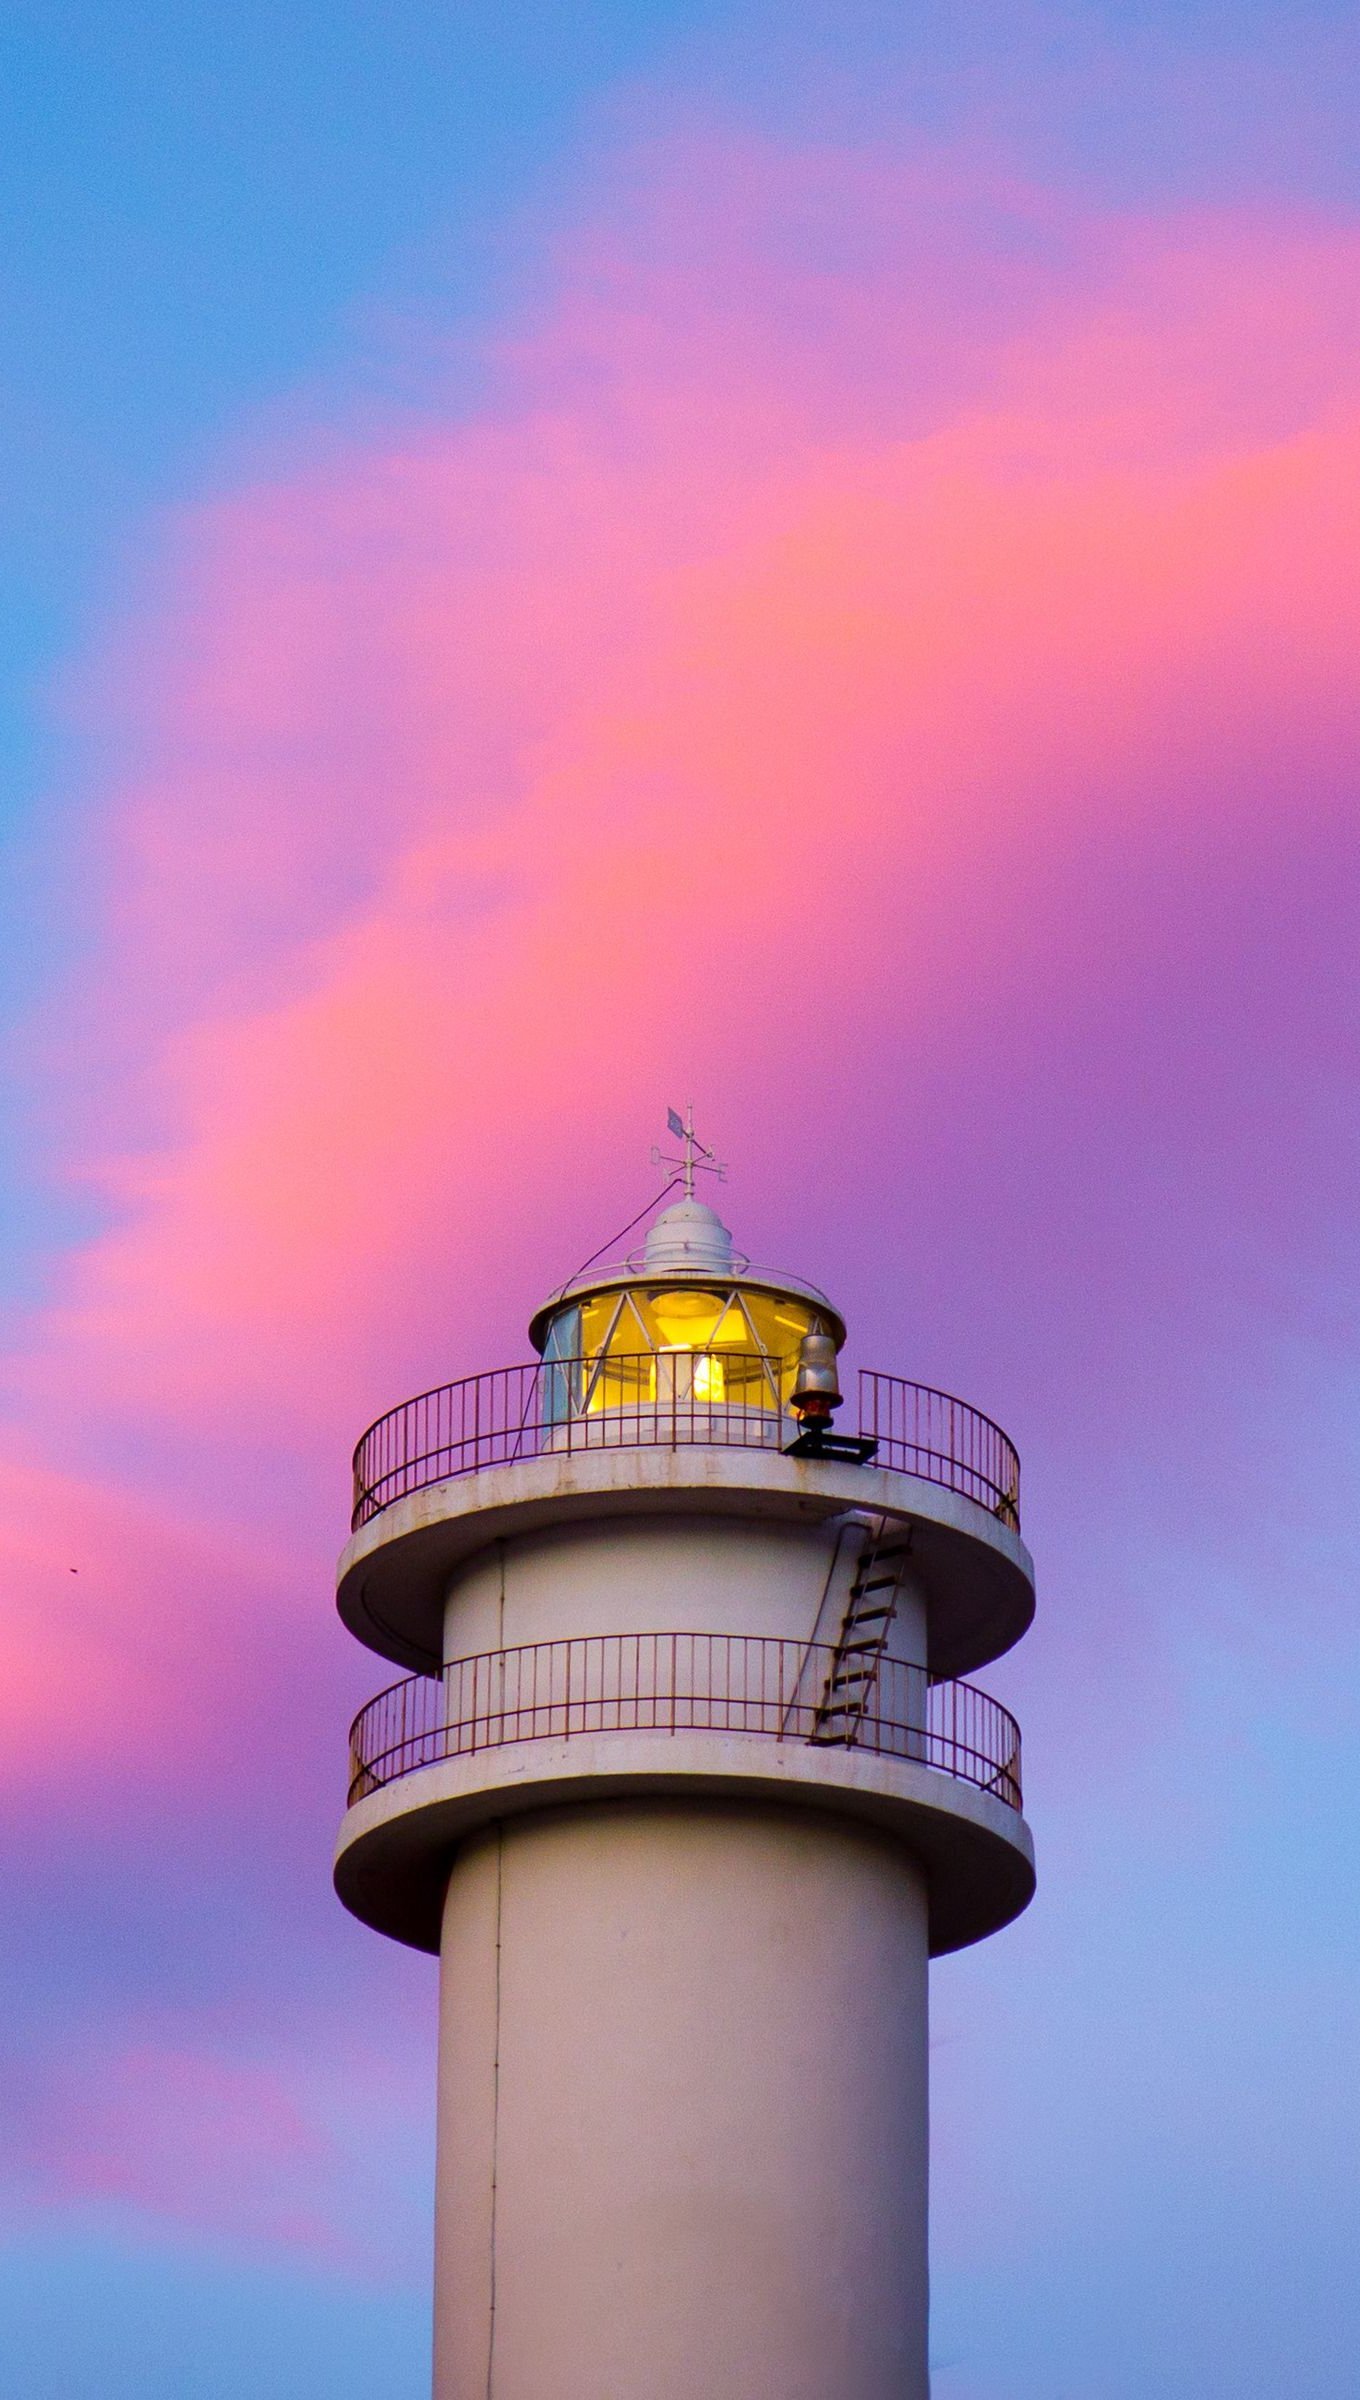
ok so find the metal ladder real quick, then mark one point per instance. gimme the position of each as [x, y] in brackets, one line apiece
[869, 1612]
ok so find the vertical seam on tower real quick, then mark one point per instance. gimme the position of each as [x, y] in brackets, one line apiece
[495, 2115]
[496, 2040]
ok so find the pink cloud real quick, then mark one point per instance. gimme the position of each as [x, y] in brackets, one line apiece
[872, 608]
[225, 2149]
[883, 646]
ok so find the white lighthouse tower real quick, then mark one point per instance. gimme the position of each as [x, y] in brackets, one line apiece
[683, 1789]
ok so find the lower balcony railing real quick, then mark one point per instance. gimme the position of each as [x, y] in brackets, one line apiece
[685, 1682]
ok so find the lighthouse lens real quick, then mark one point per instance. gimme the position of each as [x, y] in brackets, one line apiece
[693, 1320]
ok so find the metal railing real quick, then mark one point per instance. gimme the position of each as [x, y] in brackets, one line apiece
[931, 1434]
[674, 1683]
[666, 1399]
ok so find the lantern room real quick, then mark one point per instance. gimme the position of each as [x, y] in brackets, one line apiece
[684, 1321]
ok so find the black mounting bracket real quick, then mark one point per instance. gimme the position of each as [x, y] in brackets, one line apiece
[818, 1441]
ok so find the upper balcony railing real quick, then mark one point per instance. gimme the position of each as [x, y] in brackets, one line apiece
[681, 1682]
[667, 1399]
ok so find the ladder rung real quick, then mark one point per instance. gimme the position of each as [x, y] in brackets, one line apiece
[875, 1583]
[877, 1615]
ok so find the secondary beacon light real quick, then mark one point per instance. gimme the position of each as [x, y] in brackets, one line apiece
[684, 1783]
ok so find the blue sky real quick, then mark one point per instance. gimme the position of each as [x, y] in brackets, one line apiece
[254, 258]
[207, 210]
[225, 222]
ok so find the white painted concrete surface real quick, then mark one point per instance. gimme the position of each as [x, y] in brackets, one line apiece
[395, 1847]
[688, 1572]
[682, 2110]
[394, 1574]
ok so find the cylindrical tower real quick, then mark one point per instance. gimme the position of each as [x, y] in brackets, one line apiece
[684, 1792]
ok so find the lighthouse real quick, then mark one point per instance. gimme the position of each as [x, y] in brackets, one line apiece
[684, 1782]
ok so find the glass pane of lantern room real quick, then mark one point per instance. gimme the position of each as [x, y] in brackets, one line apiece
[562, 1372]
[779, 1324]
[619, 1348]
[598, 1315]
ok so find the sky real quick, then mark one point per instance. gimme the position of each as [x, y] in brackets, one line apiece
[557, 560]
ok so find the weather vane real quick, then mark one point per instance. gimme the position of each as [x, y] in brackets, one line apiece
[693, 1156]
